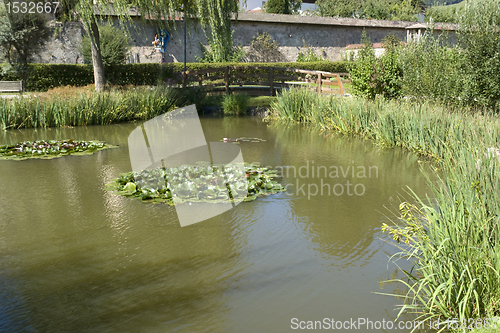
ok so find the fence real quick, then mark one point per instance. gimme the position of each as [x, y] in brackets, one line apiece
[255, 80]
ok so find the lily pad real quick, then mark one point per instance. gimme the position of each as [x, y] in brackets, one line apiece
[198, 183]
[242, 139]
[49, 149]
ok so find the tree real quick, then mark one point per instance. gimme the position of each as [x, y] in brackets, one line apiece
[404, 10]
[21, 36]
[214, 14]
[114, 48]
[282, 6]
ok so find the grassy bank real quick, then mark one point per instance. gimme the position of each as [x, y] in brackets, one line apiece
[79, 107]
[452, 238]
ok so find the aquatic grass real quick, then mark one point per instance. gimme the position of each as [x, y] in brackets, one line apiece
[452, 237]
[424, 128]
[235, 104]
[88, 108]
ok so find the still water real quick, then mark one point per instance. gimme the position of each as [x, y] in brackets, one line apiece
[76, 258]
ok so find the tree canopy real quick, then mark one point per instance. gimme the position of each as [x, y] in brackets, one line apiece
[282, 6]
[404, 10]
[21, 36]
[214, 15]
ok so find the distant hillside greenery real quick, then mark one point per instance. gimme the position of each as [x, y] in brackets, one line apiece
[441, 2]
[401, 10]
[448, 13]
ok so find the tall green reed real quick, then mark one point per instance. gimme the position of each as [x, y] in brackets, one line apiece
[453, 238]
[89, 109]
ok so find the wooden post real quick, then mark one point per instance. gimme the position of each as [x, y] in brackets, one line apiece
[339, 81]
[184, 78]
[240, 76]
[271, 81]
[319, 83]
[226, 78]
[200, 80]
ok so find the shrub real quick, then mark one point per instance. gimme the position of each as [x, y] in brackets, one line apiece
[362, 70]
[46, 76]
[263, 49]
[480, 38]
[309, 56]
[114, 46]
[235, 104]
[424, 63]
[371, 76]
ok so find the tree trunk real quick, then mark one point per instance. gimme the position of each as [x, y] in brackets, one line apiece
[95, 46]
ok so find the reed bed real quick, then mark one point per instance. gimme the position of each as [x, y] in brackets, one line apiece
[88, 107]
[453, 238]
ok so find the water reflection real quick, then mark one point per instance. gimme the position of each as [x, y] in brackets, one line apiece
[74, 257]
[343, 227]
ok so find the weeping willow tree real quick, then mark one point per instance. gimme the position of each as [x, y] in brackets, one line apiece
[216, 15]
[212, 14]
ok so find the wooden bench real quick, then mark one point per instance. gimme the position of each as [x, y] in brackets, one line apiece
[11, 86]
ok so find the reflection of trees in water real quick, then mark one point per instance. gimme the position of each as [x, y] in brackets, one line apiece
[344, 227]
[87, 260]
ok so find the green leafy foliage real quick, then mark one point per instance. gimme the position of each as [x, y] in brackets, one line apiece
[282, 6]
[480, 39]
[423, 64]
[372, 76]
[362, 70]
[404, 10]
[472, 67]
[217, 16]
[50, 149]
[21, 37]
[46, 76]
[264, 49]
[197, 183]
[114, 46]
[235, 104]
[310, 56]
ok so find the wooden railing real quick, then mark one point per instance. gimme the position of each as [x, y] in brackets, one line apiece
[256, 80]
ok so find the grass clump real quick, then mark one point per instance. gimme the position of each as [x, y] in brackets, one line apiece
[234, 105]
[453, 237]
[69, 107]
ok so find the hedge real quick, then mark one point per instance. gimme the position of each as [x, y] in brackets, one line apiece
[46, 76]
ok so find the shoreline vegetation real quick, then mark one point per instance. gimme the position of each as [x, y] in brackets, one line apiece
[77, 106]
[453, 238]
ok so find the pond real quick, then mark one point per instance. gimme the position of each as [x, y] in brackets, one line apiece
[77, 258]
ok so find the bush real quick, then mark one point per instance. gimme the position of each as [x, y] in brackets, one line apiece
[309, 56]
[46, 76]
[424, 64]
[480, 38]
[235, 104]
[264, 49]
[114, 46]
[371, 76]
[362, 70]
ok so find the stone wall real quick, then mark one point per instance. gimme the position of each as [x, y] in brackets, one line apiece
[326, 36]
